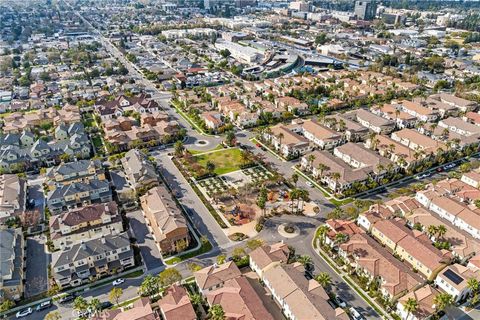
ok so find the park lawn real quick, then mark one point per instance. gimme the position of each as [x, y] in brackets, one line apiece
[194, 152]
[225, 161]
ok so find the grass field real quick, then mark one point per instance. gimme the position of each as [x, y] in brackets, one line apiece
[225, 161]
[194, 152]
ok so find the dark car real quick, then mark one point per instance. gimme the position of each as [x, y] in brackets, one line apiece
[67, 298]
[44, 305]
[105, 305]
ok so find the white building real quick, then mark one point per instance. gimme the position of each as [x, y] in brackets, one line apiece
[243, 54]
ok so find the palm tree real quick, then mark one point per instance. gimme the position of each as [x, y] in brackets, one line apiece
[322, 168]
[310, 159]
[322, 231]
[305, 260]
[196, 299]
[245, 156]
[323, 279]
[294, 179]
[473, 285]
[341, 238]
[432, 230]
[441, 230]
[210, 167]
[410, 306]
[280, 137]
[335, 176]
[216, 312]
[442, 300]
[95, 305]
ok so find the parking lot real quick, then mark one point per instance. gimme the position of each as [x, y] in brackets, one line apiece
[150, 253]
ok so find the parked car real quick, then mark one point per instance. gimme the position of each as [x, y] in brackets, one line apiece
[23, 313]
[118, 282]
[44, 305]
[106, 305]
[449, 166]
[67, 298]
[355, 314]
[308, 183]
[340, 302]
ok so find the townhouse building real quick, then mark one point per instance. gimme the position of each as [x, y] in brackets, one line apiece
[140, 171]
[321, 136]
[357, 156]
[373, 122]
[13, 196]
[91, 221]
[75, 171]
[425, 297]
[418, 111]
[12, 257]
[286, 141]
[350, 130]
[67, 197]
[92, 259]
[214, 276]
[462, 104]
[418, 142]
[165, 220]
[175, 304]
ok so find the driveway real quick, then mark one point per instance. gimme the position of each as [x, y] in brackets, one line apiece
[36, 266]
[150, 253]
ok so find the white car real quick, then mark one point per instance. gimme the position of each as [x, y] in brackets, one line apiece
[308, 183]
[23, 313]
[118, 282]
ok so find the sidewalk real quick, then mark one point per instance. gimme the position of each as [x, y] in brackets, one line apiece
[350, 282]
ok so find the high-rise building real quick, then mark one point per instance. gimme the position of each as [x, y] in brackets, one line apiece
[365, 9]
[300, 6]
[245, 3]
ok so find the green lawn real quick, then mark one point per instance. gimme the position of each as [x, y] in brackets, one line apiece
[204, 248]
[225, 161]
[194, 152]
[97, 141]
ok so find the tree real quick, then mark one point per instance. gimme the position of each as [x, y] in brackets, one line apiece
[322, 232]
[323, 279]
[473, 285]
[432, 230]
[253, 244]
[304, 260]
[210, 166]
[321, 38]
[221, 259]
[149, 286]
[53, 315]
[169, 276]
[441, 231]
[179, 148]
[95, 305]
[196, 299]
[442, 300]
[230, 138]
[80, 304]
[238, 253]
[410, 306]
[225, 53]
[321, 169]
[216, 312]
[294, 179]
[115, 295]
[6, 305]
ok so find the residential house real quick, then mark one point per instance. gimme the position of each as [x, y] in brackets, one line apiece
[12, 257]
[459, 126]
[165, 220]
[175, 304]
[425, 298]
[418, 111]
[472, 178]
[140, 309]
[239, 300]
[454, 281]
[350, 130]
[292, 105]
[76, 194]
[268, 255]
[92, 258]
[87, 222]
[13, 196]
[214, 276]
[462, 104]
[394, 113]
[418, 142]
[140, 171]
[212, 120]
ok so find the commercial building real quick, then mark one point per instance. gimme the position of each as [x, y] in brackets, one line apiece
[365, 9]
[243, 54]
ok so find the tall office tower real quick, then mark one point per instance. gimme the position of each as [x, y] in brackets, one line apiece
[365, 9]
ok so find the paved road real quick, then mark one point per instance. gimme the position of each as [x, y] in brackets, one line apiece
[36, 266]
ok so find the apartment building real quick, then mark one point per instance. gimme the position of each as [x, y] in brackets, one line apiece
[140, 171]
[373, 122]
[70, 196]
[13, 196]
[321, 136]
[93, 258]
[165, 220]
[472, 178]
[12, 257]
[418, 111]
[459, 126]
[394, 113]
[83, 223]
[350, 130]
[268, 255]
[462, 104]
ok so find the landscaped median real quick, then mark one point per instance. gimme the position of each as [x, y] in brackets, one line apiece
[348, 279]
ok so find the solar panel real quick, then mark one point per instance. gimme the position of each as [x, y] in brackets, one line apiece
[455, 278]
